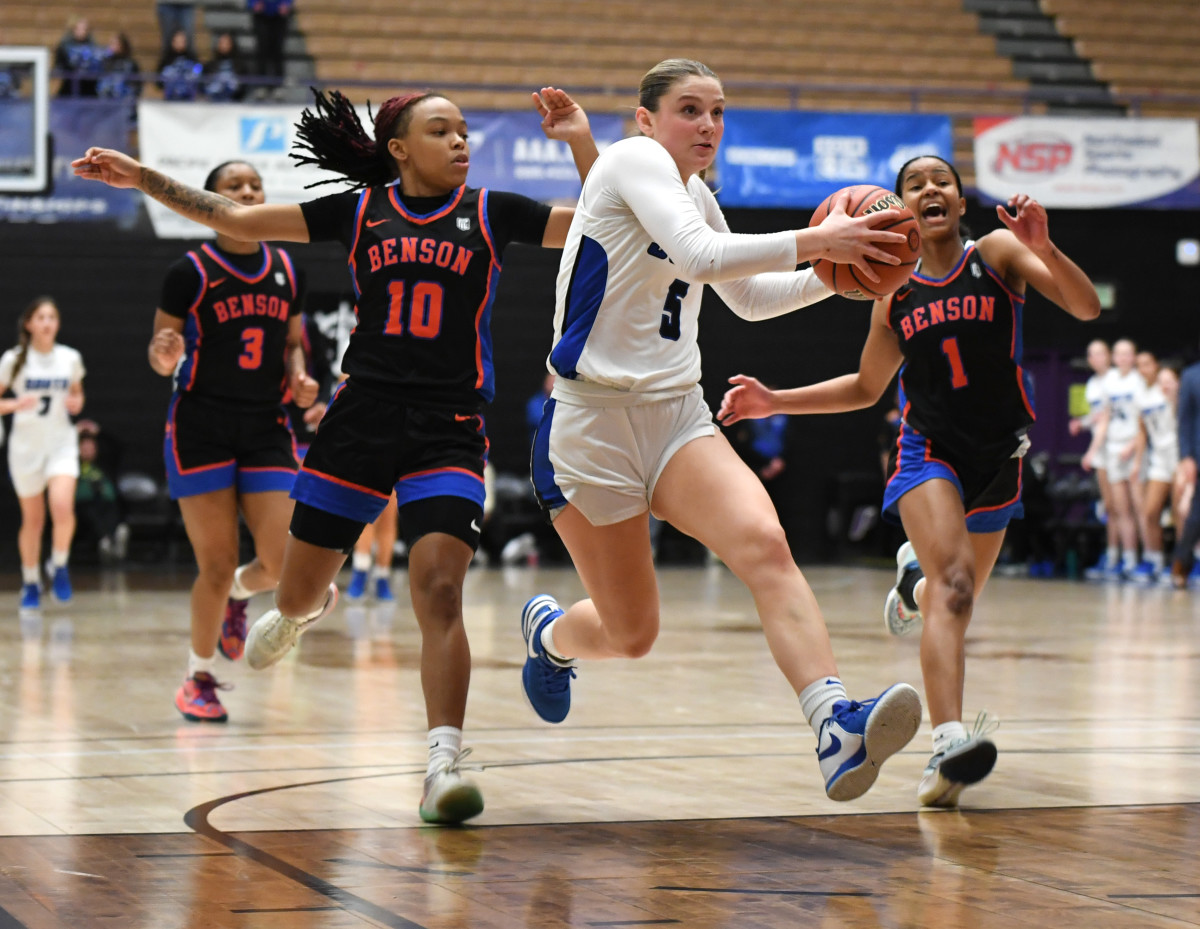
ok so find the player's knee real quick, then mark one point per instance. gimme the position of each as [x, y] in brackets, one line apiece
[957, 588]
[635, 639]
[216, 568]
[763, 554]
[441, 595]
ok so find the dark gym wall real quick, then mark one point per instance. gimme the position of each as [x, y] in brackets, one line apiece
[107, 283]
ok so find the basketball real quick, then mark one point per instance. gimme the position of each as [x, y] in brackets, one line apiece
[847, 280]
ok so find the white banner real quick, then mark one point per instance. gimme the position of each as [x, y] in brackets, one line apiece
[187, 140]
[1083, 162]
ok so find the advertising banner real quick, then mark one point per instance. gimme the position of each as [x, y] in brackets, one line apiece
[75, 125]
[1089, 163]
[186, 141]
[791, 158]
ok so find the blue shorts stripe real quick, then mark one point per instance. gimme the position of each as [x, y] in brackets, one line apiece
[333, 497]
[198, 481]
[541, 469]
[440, 484]
[262, 480]
[995, 520]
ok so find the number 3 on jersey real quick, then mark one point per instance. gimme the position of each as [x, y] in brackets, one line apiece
[424, 309]
[252, 346]
[669, 329]
[958, 376]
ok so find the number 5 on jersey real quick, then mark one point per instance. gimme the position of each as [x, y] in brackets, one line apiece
[669, 329]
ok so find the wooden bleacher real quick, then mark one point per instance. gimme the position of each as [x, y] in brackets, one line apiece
[1145, 49]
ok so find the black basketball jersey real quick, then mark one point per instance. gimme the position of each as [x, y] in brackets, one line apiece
[962, 382]
[236, 328]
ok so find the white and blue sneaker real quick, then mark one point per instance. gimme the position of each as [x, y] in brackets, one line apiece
[967, 761]
[31, 598]
[1098, 571]
[547, 682]
[1144, 575]
[357, 588]
[899, 616]
[859, 737]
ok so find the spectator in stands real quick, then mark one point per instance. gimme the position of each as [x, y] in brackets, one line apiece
[80, 58]
[96, 506]
[173, 18]
[271, 19]
[121, 73]
[179, 70]
[223, 73]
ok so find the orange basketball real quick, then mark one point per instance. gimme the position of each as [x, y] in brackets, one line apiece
[849, 281]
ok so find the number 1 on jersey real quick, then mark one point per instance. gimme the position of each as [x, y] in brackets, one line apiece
[958, 376]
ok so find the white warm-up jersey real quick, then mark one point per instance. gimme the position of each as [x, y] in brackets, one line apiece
[1159, 418]
[1093, 392]
[48, 376]
[640, 248]
[1122, 396]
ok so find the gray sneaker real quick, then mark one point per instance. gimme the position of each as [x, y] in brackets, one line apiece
[273, 634]
[899, 617]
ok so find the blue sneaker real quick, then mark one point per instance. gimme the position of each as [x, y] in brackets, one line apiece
[547, 683]
[1114, 573]
[859, 737]
[1144, 575]
[1099, 570]
[31, 597]
[383, 589]
[357, 588]
[61, 585]
[1193, 577]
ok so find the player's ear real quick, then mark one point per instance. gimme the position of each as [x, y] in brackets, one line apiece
[398, 150]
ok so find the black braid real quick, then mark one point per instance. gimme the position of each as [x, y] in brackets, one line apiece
[335, 138]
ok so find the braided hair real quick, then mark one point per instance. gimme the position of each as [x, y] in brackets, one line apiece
[336, 141]
[23, 336]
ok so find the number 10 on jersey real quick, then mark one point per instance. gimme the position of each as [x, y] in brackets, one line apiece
[422, 305]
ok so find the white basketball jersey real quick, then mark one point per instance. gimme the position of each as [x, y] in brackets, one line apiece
[640, 249]
[1122, 394]
[48, 376]
[1093, 392]
[1158, 416]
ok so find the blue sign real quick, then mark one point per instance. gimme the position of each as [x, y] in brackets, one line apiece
[509, 152]
[264, 134]
[76, 124]
[791, 158]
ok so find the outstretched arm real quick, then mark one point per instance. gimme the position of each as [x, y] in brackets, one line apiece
[881, 358]
[564, 120]
[1024, 252]
[258, 223]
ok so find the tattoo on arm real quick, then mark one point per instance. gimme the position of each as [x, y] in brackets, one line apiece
[200, 205]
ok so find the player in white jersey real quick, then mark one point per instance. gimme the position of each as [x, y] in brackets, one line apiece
[1115, 440]
[43, 451]
[1099, 359]
[1158, 443]
[626, 428]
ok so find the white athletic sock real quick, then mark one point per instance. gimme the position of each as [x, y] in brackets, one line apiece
[1155, 559]
[361, 561]
[1112, 555]
[1129, 561]
[29, 575]
[548, 646]
[818, 698]
[444, 743]
[196, 663]
[237, 591]
[59, 559]
[947, 733]
[379, 571]
[918, 591]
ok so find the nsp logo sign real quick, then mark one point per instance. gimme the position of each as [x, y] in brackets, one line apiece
[1032, 155]
[264, 134]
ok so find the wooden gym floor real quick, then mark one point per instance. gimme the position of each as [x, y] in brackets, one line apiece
[682, 791]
